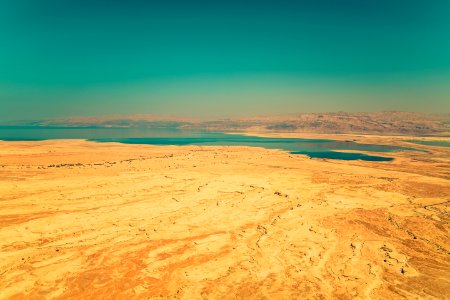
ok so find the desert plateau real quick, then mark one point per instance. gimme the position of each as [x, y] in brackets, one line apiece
[223, 150]
[87, 220]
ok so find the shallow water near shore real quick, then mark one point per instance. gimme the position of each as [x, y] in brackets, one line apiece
[443, 143]
[314, 148]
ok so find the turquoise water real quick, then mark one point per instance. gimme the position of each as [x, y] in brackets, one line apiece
[314, 148]
[432, 143]
[342, 155]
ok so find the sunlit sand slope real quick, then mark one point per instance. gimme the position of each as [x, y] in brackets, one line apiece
[84, 220]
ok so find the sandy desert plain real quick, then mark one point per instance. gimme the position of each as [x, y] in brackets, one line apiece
[86, 220]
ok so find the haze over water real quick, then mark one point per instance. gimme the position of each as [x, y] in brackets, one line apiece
[220, 58]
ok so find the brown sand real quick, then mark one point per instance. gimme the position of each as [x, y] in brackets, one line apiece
[84, 220]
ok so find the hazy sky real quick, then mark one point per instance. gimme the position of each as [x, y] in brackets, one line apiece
[217, 58]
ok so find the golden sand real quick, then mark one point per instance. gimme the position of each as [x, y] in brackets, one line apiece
[85, 220]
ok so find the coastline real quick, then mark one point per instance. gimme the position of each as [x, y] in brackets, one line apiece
[85, 219]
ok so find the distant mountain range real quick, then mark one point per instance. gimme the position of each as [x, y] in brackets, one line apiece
[389, 122]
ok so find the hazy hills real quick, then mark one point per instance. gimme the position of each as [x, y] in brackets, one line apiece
[391, 122]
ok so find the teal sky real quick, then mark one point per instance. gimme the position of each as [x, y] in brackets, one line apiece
[218, 58]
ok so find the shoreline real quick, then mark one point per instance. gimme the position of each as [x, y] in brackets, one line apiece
[81, 219]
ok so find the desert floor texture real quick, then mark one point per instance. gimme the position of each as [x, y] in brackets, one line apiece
[85, 220]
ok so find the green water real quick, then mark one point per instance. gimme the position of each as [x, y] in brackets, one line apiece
[314, 148]
[432, 143]
[343, 155]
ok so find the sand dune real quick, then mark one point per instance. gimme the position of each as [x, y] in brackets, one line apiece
[84, 220]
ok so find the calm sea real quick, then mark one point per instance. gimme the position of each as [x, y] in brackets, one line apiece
[314, 148]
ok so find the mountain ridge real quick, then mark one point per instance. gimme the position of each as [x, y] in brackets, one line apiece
[387, 122]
